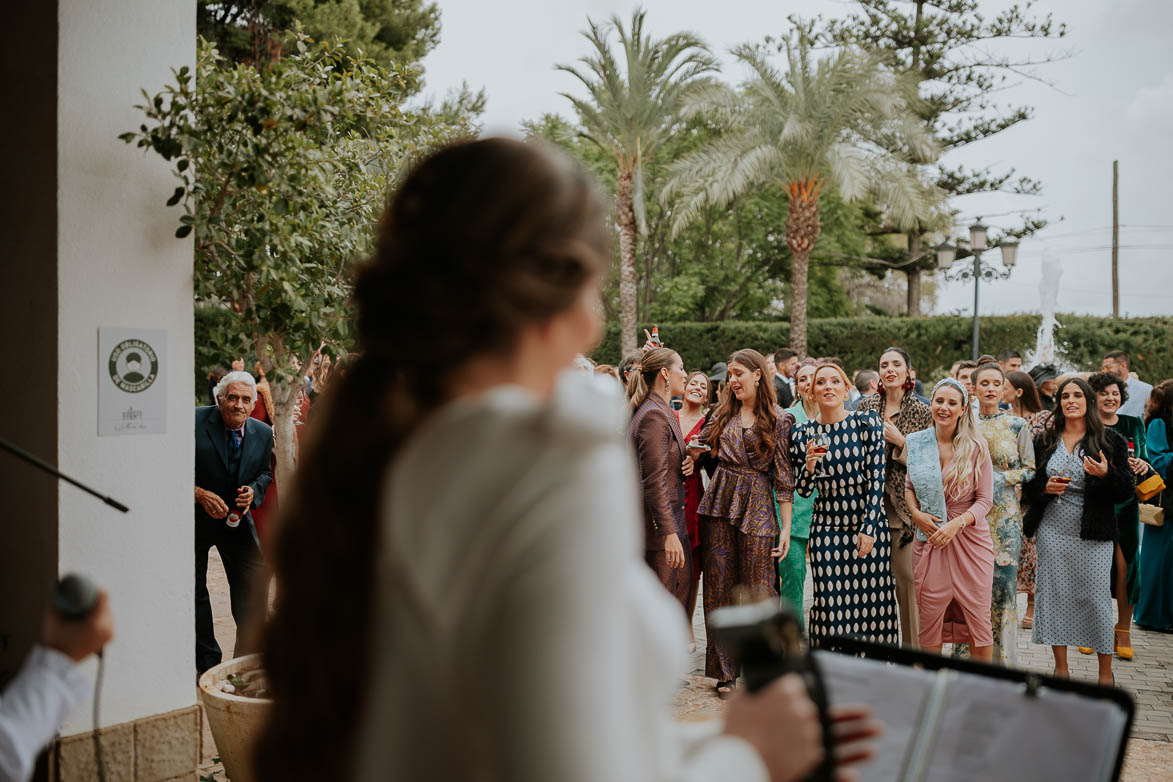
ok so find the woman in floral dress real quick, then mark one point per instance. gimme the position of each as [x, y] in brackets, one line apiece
[1012, 452]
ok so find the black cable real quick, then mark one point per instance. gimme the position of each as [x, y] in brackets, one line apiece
[97, 696]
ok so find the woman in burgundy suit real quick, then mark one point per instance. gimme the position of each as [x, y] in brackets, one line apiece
[663, 467]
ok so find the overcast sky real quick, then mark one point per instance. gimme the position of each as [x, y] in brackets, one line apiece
[1113, 99]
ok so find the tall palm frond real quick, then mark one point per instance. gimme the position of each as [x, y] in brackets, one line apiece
[634, 99]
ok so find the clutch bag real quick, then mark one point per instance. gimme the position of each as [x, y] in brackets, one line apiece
[1150, 487]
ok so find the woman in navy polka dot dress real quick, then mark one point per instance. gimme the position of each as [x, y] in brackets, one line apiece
[850, 543]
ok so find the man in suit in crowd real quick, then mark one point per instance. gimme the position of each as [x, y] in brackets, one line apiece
[232, 472]
[785, 362]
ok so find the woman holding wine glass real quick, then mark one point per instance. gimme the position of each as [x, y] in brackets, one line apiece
[1083, 474]
[749, 434]
[842, 454]
[692, 417]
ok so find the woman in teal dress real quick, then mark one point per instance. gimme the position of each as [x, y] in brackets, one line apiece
[792, 567]
[1012, 452]
[1154, 605]
[1111, 393]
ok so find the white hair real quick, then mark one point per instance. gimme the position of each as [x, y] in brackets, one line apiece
[234, 377]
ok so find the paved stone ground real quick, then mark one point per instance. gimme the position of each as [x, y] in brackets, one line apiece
[1149, 677]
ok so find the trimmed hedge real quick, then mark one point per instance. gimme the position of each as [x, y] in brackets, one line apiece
[934, 343]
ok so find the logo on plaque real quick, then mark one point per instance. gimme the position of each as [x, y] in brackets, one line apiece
[133, 365]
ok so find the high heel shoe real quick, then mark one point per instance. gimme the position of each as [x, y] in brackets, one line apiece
[1125, 652]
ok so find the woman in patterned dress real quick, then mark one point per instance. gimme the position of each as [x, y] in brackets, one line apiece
[1012, 451]
[949, 492]
[850, 543]
[1083, 474]
[1022, 396]
[903, 413]
[750, 436]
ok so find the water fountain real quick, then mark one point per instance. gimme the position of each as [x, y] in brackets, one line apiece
[1045, 351]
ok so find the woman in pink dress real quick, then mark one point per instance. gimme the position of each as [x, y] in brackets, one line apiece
[949, 490]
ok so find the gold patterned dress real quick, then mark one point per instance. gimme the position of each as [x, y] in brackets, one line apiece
[1012, 452]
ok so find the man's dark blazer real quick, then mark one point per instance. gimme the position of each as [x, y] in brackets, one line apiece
[211, 460]
[782, 390]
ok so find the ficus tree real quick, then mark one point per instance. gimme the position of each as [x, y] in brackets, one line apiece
[281, 176]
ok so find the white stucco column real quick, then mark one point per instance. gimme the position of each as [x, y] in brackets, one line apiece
[119, 265]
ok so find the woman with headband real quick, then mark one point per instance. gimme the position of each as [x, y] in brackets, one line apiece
[903, 413]
[842, 454]
[949, 491]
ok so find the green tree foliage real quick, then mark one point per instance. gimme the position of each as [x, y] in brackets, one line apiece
[731, 262]
[635, 101]
[934, 343]
[282, 174]
[950, 53]
[835, 122]
[393, 33]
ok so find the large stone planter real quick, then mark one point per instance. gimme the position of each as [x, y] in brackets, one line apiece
[235, 720]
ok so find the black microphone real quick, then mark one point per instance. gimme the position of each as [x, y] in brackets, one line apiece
[74, 596]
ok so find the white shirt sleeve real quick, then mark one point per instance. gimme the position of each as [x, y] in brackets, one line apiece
[32, 708]
[572, 664]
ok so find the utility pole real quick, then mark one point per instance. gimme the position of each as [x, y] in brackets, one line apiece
[1115, 238]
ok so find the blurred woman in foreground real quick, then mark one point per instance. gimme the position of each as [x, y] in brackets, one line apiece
[460, 587]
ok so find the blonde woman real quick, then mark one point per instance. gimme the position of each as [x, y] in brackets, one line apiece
[949, 491]
[842, 454]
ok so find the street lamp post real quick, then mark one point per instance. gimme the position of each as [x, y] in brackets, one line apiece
[947, 254]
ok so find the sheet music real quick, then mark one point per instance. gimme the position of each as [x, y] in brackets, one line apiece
[896, 694]
[989, 729]
[993, 730]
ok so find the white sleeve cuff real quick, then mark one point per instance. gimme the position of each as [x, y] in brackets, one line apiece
[709, 755]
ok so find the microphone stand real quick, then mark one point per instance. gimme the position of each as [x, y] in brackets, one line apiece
[74, 596]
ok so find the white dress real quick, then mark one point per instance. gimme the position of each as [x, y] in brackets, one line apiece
[519, 634]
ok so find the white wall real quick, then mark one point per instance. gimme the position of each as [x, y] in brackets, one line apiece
[120, 265]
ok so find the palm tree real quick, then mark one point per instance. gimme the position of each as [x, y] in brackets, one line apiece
[826, 123]
[629, 113]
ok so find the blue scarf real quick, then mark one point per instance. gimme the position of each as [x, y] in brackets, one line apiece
[924, 464]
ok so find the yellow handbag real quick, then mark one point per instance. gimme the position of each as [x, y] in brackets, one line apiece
[1150, 487]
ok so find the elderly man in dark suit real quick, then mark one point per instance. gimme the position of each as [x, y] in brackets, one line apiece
[233, 470]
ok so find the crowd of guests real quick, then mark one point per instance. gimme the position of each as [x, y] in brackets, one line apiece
[920, 516]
